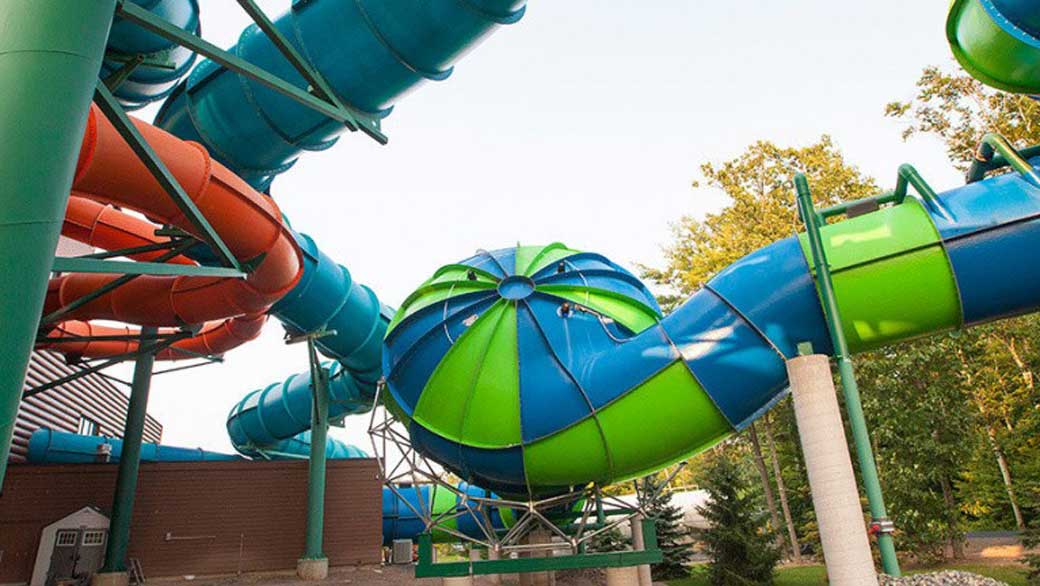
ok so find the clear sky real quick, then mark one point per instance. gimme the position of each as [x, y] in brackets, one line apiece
[585, 123]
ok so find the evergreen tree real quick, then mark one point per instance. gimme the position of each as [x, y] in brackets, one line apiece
[741, 550]
[1031, 540]
[673, 536]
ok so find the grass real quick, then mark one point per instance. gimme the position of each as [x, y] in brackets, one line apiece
[816, 576]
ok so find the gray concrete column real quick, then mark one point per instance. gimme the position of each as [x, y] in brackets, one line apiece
[496, 579]
[843, 533]
[639, 544]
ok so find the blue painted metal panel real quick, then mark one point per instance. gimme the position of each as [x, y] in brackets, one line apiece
[605, 362]
[1023, 14]
[737, 368]
[595, 265]
[371, 53]
[48, 446]
[773, 289]
[500, 263]
[550, 398]
[973, 207]
[997, 272]
[499, 470]
[148, 83]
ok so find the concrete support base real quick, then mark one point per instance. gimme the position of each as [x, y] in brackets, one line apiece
[639, 544]
[458, 581]
[496, 579]
[110, 579]
[312, 569]
[627, 576]
[843, 533]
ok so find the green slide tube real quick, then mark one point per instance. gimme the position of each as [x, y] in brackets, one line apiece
[50, 56]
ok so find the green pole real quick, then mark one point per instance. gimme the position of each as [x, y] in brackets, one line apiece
[129, 460]
[50, 56]
[316, 471]
[853, 406]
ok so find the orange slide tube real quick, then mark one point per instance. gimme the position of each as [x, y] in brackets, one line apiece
[108, 172]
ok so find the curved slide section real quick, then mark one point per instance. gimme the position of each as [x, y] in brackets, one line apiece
[250, 223]
[624, 398]
[371, 52]
[162, 63]
[47, 446]
[997, 42]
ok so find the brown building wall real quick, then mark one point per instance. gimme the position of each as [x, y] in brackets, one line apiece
[200, 517]
[61, 408]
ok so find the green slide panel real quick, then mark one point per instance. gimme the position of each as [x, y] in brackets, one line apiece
[892, 278]
[992, 48]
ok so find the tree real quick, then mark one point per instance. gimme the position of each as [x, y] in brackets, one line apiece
[959, 110]
[740, 549]
[1031, 540]
[761, 209]
[673, 536]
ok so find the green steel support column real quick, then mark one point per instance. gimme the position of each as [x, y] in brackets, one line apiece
[129, 461]
[850, 390]
[50, 56]
[316, 474]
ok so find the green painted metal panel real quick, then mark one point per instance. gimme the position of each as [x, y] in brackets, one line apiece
[892, 278]
[432, 293]
[495, 394]
[551, 462]
[463, 370]
[676, 408]
[625, 310]
[444, 501]
[989, 52]
[531, 259]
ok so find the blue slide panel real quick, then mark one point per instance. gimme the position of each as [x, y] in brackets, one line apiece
[371, 52]
[148, 82]
[48, 446]
[738, 369]
[787, 310]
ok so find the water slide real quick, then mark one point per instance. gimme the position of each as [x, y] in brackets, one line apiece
[997, 42]
[532, 369]
[371, 52]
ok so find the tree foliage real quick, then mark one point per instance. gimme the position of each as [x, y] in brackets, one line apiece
[740, 548]
[673, 536]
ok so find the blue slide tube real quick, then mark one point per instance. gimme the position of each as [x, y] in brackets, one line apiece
[400, 520]
[165, 62]
[370, 51]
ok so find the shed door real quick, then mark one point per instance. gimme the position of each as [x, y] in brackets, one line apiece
[64, 556]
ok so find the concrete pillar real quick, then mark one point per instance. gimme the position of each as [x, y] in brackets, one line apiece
[843, 533]
[538, 536]
[474, 554]
[496, 579]
[458, 581]
[639, 544]
[312, 569]
[626, 576]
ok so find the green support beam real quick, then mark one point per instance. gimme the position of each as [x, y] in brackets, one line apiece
[50, 57]
[316, 470]
[129, 462]
[117, 116]
[814, 221]
[427, 568]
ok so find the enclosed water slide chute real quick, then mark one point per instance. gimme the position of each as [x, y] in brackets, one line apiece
[530, 376]
[154, 64]
[997, 42]
[371, 53]
[108, 172]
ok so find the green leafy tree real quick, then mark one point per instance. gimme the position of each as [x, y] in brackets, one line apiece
[740, 548]
[674, 538]
[1031, 541]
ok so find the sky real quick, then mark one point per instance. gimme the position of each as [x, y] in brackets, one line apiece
[584, 123]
